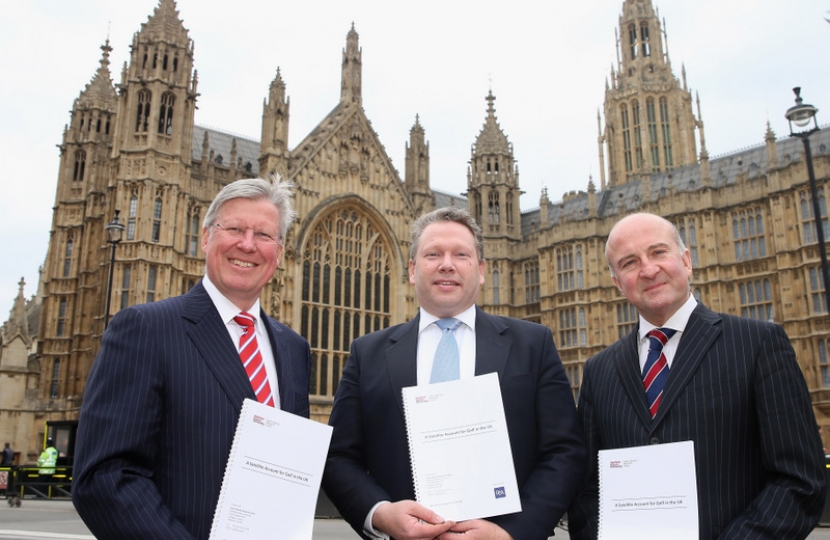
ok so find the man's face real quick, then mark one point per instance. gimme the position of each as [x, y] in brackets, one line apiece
[240, 267]
[650, 270]
[446, 271]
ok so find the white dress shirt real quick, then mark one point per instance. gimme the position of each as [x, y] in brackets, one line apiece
[677, 322]
[227, 311]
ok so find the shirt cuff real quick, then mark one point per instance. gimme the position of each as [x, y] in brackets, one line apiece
[367, 524]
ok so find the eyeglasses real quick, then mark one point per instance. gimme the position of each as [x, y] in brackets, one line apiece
[238, 233]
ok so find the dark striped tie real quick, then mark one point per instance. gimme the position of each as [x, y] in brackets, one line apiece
[656, 369]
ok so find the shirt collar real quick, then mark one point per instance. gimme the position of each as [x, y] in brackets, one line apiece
[227, 309]
[468, 317]
[677, 322]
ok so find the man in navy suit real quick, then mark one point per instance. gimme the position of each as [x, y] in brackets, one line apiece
[368, 473]
[165, 392]
[733, 387]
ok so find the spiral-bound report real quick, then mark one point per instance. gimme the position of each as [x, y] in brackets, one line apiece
[462, 466]
[648, 492]
[272, 477]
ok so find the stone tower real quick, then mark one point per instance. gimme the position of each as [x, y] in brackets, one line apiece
[416, 177]
[649, 120]
[73, 266]
[350, 87]
[273, 158]
[493, 181]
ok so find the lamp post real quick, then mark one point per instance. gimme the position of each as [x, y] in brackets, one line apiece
[804, 118]
[115, 230]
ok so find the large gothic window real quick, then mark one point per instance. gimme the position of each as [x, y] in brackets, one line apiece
[166, 111]
[345, 291]
[142, 115]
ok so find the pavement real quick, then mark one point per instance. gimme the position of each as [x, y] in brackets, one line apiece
[57, 519]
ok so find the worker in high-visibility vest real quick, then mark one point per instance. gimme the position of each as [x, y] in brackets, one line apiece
[47, 460]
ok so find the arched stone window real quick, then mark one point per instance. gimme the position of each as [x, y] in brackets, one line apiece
[142, 114]
[346, 282]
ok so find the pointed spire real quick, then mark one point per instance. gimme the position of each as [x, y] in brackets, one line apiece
[417, 128]
[165, 23]
[18, 323]
[492, 139]
[100, 91]
[350, 86]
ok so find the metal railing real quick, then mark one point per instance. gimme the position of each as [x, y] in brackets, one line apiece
[21, 482]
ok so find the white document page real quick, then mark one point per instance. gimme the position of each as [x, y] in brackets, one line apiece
[462, 465]
[273, 476]
[648, 492]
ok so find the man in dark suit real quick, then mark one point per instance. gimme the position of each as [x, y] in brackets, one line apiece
[733, 387]
[165, 392]
[447, 268]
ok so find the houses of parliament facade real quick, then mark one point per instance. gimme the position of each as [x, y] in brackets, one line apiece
[133, 147]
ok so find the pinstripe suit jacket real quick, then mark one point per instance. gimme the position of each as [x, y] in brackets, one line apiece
[159, 414]
[736, 390]
[370, 432]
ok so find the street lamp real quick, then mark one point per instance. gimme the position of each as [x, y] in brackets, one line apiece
[803, 115]
[115, 230]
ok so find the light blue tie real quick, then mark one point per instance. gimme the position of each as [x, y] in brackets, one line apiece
[445, 367]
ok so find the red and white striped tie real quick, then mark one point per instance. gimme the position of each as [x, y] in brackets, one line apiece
[252, 359]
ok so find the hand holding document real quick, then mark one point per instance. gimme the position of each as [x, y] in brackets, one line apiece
[273, 476]
[462, 466]
[648, 492]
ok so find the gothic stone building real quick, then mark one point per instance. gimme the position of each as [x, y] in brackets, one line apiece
[133, 147]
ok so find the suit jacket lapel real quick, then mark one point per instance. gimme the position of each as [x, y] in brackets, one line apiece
[210, 337]
[281, 353]
[402, 358]
[492, 347]
[701, 331]
[631, 377]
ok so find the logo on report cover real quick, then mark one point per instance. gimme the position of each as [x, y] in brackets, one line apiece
[616, 465]
[500, 493]
[421, 399]
[259, 419]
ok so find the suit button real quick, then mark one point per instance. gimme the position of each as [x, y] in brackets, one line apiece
[654, 440]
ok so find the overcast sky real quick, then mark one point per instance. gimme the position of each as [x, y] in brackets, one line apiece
[547, 63]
